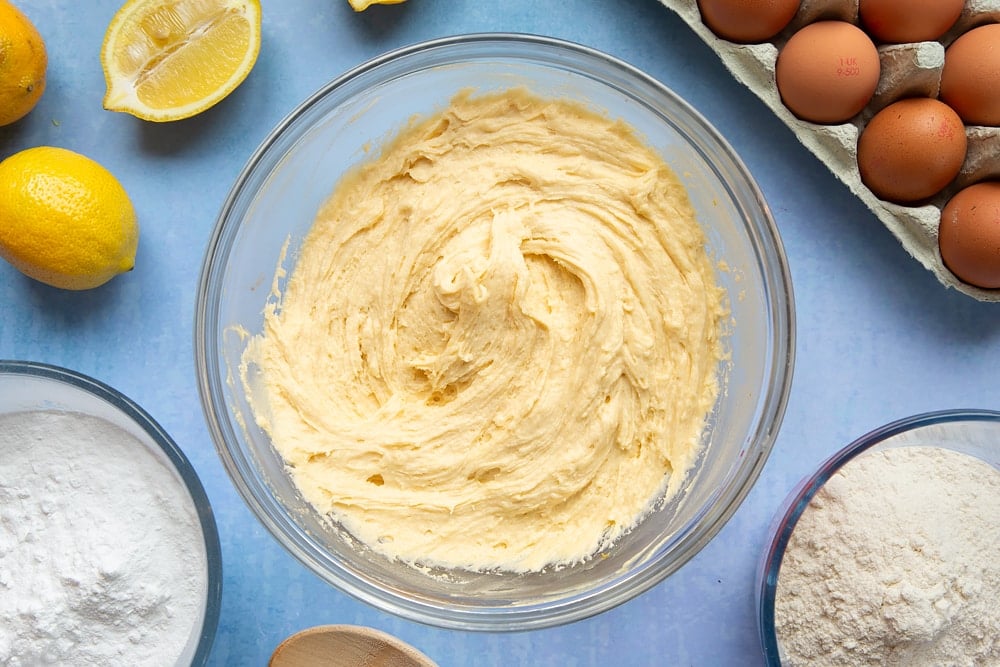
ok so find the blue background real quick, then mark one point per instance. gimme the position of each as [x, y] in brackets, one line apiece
[879, 337]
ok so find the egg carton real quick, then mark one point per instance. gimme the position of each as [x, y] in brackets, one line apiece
[907, 70]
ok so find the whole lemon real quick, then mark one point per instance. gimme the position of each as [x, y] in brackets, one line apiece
[64, 219]
[23, 62]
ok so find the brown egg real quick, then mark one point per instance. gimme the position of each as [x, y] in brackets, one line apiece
[911, 149]
[970, 80]
[827, 72]
[747, 21]
[899, 21]
[969, 235]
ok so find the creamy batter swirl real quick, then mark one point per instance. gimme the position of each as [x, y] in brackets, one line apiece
[500, 340]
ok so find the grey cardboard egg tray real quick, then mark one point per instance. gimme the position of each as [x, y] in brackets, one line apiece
[912, 69]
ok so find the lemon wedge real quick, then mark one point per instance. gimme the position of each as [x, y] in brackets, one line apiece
[166, 60]
[362, 5]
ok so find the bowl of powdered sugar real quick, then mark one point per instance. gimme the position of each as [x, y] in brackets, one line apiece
[888, 554]
[109, 553]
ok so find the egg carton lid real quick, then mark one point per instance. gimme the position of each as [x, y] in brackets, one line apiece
[907, 70]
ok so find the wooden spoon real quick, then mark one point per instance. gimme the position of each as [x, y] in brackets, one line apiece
[346, 646]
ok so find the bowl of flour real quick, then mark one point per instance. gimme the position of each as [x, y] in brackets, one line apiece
[887, 554]
[109, 553]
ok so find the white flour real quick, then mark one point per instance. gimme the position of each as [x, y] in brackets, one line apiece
[102, 561]
[896, 562]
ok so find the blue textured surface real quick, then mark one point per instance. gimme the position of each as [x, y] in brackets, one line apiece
[879, 337]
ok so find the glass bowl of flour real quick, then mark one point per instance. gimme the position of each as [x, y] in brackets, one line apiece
[887, 554]
[493, 426]
[109, 553]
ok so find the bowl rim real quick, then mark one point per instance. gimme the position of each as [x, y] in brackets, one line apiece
[796, 502]
[780, 319]
[179, 462]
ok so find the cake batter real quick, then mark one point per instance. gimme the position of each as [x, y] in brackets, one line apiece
[500, 340]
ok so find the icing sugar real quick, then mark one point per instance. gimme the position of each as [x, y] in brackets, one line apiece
[101, 554]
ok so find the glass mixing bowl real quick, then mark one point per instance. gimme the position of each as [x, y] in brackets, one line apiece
[27, 386]
[972, 432]
[275, 200]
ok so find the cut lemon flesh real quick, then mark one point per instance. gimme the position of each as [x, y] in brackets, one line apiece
[171, 59]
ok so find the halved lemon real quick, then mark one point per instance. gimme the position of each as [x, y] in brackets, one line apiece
[166, 60]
